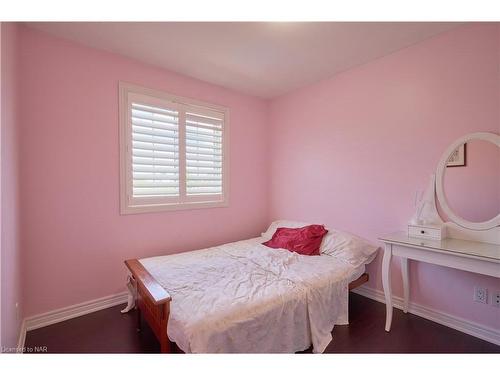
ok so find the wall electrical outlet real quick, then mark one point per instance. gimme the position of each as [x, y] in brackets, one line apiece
[480, 294]
[495, 299]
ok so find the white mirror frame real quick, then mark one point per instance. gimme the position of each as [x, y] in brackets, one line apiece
[441, 169]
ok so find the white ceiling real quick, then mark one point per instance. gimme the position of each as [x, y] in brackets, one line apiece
[261, 59]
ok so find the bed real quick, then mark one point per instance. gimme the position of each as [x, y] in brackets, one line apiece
[244, 297]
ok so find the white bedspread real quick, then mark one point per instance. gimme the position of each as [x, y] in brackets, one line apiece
[244, 297]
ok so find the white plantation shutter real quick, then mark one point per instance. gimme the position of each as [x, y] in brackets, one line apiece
[155, 151]
[204, 156]
[173, 152]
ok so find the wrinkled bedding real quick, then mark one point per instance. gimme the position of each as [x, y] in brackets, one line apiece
[244, 297]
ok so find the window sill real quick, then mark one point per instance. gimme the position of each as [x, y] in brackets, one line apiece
[139, 209]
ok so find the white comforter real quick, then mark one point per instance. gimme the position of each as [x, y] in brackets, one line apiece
[247, 298]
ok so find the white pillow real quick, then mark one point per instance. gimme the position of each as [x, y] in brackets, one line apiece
[345, 246]
[348, 247]
[268, 234]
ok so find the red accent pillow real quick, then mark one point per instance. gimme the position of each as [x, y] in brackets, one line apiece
[305, 240]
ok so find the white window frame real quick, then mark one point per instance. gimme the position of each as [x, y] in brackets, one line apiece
[130, 206]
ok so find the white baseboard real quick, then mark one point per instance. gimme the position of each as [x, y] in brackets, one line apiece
[474, 329]
[70, 312]
[22, 337]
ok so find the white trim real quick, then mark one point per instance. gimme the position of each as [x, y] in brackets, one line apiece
[173, 207]
[73, 311]
[22, 337]
[441, 169]
[170, 97]
[182, 155]
[483, 332]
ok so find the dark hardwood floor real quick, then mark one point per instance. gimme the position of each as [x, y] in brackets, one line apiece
[108, 331]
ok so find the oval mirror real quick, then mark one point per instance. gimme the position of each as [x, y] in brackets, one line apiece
[468, 181]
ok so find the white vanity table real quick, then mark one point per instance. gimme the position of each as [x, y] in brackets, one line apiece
[469, 245]
[472, 256]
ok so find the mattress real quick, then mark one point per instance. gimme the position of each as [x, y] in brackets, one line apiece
[244, 297]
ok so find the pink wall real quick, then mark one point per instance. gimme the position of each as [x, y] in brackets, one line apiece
[350, 151]
[1, 127]
[11, 292]
[74, 238]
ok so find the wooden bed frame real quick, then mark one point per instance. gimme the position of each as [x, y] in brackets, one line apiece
[153, 301]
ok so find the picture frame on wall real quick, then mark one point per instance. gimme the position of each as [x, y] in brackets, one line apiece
[458, 157]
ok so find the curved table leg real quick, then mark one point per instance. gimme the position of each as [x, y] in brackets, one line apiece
[406, 282]
[386, 283]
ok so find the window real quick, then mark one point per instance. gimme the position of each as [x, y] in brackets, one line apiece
[173, 152]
